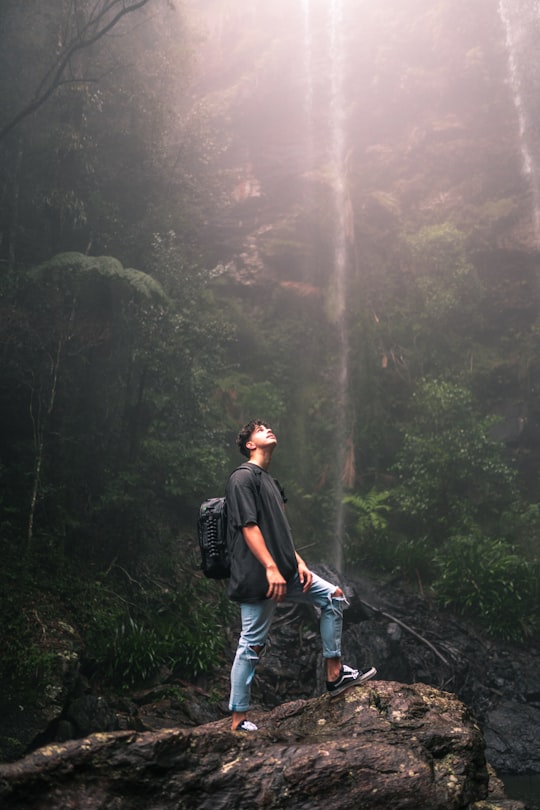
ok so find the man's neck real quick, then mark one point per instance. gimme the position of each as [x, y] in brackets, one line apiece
[262, 458]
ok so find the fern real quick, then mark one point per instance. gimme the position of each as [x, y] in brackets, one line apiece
[77, 265]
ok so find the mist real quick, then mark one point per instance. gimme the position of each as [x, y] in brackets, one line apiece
[321, 214]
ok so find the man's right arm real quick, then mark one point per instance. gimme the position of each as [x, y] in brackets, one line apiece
[277, 585]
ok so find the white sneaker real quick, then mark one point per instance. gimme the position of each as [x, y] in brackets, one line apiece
[246, 725]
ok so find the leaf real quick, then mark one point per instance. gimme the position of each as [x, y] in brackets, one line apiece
[74, 266]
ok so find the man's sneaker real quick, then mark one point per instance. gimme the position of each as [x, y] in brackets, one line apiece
[246, 725]
[348, 677]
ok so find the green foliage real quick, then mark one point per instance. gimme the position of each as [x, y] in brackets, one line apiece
[371, 509]
[30, 650]
[133, 654]
[73, 267]
[124, 165]
[26, 662]
[177, 627]
[370, 544]
[451, 473]
[455, 521]
[489, 581]
[107, 387]
[127, 626]
[413, 560]
[315, 510]
[251, 398]
[436, 249]
[121, 389]
[440, 313]
[374, 544]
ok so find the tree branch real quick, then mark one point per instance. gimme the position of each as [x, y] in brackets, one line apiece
[94, 29]
[406, 627]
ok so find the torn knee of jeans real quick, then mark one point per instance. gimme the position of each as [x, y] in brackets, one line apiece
[255, 651]
[339, 599]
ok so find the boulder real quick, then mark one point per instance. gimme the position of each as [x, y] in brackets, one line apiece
[32, 714]
[511, 733]
[383, 746]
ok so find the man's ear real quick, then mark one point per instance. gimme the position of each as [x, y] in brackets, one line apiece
[253, 445]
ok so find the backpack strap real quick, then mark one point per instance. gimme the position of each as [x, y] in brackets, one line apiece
[256, 471]
[282, 491]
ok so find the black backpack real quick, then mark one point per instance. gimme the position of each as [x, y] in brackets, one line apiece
[212, 532]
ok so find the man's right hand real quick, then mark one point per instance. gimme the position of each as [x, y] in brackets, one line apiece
[277, 586]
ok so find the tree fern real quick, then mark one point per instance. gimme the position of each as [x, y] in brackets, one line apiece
[77, 265]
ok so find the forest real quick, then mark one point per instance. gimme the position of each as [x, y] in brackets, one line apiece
[192, 236]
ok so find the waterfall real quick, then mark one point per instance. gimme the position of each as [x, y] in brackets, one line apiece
[325, 151]
[340, 199]
[308, 71]
[521, 20]
[308, 88]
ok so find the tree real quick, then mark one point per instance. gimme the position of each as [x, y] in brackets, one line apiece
[79, 26]
[119, 151]
[115, 375]
[64, 318]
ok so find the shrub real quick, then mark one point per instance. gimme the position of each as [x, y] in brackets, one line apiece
[370, 542]
[178, 627]
[491, 583]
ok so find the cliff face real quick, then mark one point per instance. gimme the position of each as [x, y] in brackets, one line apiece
[358, 132]
[411, 107]
[379, 747]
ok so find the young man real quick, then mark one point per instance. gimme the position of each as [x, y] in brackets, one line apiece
[266, 569]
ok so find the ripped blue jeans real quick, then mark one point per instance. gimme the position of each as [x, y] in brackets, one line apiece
[256, 621]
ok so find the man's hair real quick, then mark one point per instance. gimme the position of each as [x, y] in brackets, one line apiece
[245, 434]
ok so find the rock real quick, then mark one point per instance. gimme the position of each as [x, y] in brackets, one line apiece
[499, 681]
[379, 747]
[511, 732]
[25, 719]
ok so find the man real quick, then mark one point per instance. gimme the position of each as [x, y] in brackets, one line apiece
[266, 569]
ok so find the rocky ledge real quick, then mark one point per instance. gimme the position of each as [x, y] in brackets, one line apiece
[383, 746]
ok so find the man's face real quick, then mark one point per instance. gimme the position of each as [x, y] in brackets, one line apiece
[262, 436]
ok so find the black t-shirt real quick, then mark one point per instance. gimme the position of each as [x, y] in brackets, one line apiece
[254, 497]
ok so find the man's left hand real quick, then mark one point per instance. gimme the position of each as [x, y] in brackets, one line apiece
[305, 575]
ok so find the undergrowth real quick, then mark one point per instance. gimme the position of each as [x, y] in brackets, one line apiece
[124, 626]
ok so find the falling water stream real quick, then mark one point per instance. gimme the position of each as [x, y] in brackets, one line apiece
[337, 162]
[521, 20]
[331, 42]
[308, 79]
